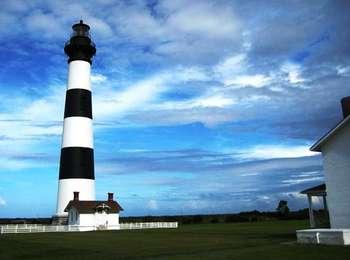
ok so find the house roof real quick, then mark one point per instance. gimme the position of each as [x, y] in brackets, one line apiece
[317, 146]
[317, 190]
[90, 206]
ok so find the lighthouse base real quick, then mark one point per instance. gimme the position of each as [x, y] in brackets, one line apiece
[66, 189]
[59, 220]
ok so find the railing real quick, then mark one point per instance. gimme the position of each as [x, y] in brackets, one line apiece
[6, 229]
[36, 228]
[148, 225]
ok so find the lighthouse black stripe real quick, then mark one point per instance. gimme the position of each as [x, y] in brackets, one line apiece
[78, 103]
[77, 162]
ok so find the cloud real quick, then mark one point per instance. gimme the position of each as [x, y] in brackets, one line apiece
[277, 151]
[257, 80]
[198, 18]
[293, 71]
[97, 78]
[44, 25]
[100, 28]
[231, 66]
[227, 165]
[152, 204]
[111, 103]
[343, 71]
[293, 181]
[2, 202]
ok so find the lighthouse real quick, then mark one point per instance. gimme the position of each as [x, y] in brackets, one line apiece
[76, 171]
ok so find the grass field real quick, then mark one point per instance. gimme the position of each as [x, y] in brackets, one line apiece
[260, 240]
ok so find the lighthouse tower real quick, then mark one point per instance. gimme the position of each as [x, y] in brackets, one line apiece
[76, 173]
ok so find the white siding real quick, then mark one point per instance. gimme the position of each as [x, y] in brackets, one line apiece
[87, 220]
[98, 220]
[336, 155]
[113, 219]
[101, 219]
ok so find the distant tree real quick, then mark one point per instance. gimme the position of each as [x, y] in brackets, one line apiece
[214, 220]
[197, 219]
[282, 207]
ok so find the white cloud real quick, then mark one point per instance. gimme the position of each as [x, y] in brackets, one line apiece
[152, 204]
[24, 120]
[213, 101]
[9, 162]
[36, 119]
[47, 25]
[204, 101]
[296, 195]
[264, 197]
[293, 72]
[100, 28]
[97, 78]
[231, 66]
[136, 24]
[276, 151]
[233, 71]
[302, 180]
[109, 103]
[49, 108]
[343, 71]
[199, 18]
[257, 80]
[2, 202]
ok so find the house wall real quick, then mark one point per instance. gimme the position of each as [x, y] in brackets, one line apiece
[113, 219]
[101, 219]
[96, 219]
[87, 220]
[336, 156]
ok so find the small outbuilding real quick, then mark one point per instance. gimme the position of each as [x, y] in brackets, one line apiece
[92, 215]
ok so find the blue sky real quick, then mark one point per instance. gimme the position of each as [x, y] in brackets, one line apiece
[199, 106]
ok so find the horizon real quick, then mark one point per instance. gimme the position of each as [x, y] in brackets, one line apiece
[194, 112]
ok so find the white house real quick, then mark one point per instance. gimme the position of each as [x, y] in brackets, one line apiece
[92, 215]
[335, 149]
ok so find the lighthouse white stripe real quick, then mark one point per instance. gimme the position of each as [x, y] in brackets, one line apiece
[79, 74]
[66, 187]
[77, 132]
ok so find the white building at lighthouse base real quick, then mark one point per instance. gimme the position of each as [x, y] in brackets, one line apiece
[88, 215]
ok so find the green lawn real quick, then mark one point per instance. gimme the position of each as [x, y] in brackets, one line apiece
[262, 240]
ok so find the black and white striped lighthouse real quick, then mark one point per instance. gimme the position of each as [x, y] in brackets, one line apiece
[76, 173]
